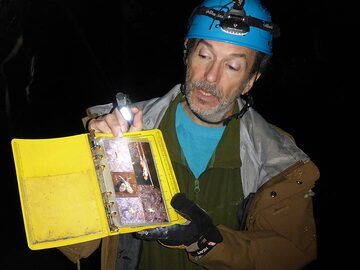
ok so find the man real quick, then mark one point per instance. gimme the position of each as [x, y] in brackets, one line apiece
[252, 182]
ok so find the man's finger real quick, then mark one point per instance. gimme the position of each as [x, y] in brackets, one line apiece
[106, 124]
[121, 122]
[99, 125]
[190, 210]
[113, 123]
[176, 233]
[137, 122]
[184, 206]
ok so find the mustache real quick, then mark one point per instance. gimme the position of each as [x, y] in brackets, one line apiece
[207, 87]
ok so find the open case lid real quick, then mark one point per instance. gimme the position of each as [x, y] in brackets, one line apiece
[59, 193]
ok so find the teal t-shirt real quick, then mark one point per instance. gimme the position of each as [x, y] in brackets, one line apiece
[197, 142]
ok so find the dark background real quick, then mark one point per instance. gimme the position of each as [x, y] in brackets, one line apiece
[75, 54]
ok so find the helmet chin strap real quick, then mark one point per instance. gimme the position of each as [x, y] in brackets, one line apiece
[248, 103]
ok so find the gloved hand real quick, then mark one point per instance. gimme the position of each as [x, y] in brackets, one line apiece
[198, 236]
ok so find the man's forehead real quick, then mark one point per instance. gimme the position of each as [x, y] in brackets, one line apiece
[228, 47]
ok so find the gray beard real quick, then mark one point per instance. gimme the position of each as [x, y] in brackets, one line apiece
[217, 113]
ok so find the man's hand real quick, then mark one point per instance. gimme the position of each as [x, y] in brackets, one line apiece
[198, 236]
[115, 123]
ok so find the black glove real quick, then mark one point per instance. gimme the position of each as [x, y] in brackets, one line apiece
[198, 236]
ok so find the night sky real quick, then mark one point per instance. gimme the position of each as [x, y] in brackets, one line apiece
[80, 53]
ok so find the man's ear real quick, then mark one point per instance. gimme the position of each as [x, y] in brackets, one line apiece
[251, 82]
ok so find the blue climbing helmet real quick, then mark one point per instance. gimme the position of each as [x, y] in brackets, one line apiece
[241, 22]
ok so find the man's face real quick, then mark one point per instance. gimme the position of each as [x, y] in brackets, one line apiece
[217, 73]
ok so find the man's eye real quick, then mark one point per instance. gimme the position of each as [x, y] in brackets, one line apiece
[233, 68]
[203, 55]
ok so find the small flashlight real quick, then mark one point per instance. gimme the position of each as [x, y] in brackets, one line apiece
[123, 104]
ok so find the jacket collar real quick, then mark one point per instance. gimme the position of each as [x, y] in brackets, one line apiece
[264, 151]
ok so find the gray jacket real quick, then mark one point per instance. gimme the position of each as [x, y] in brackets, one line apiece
[264, 151]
